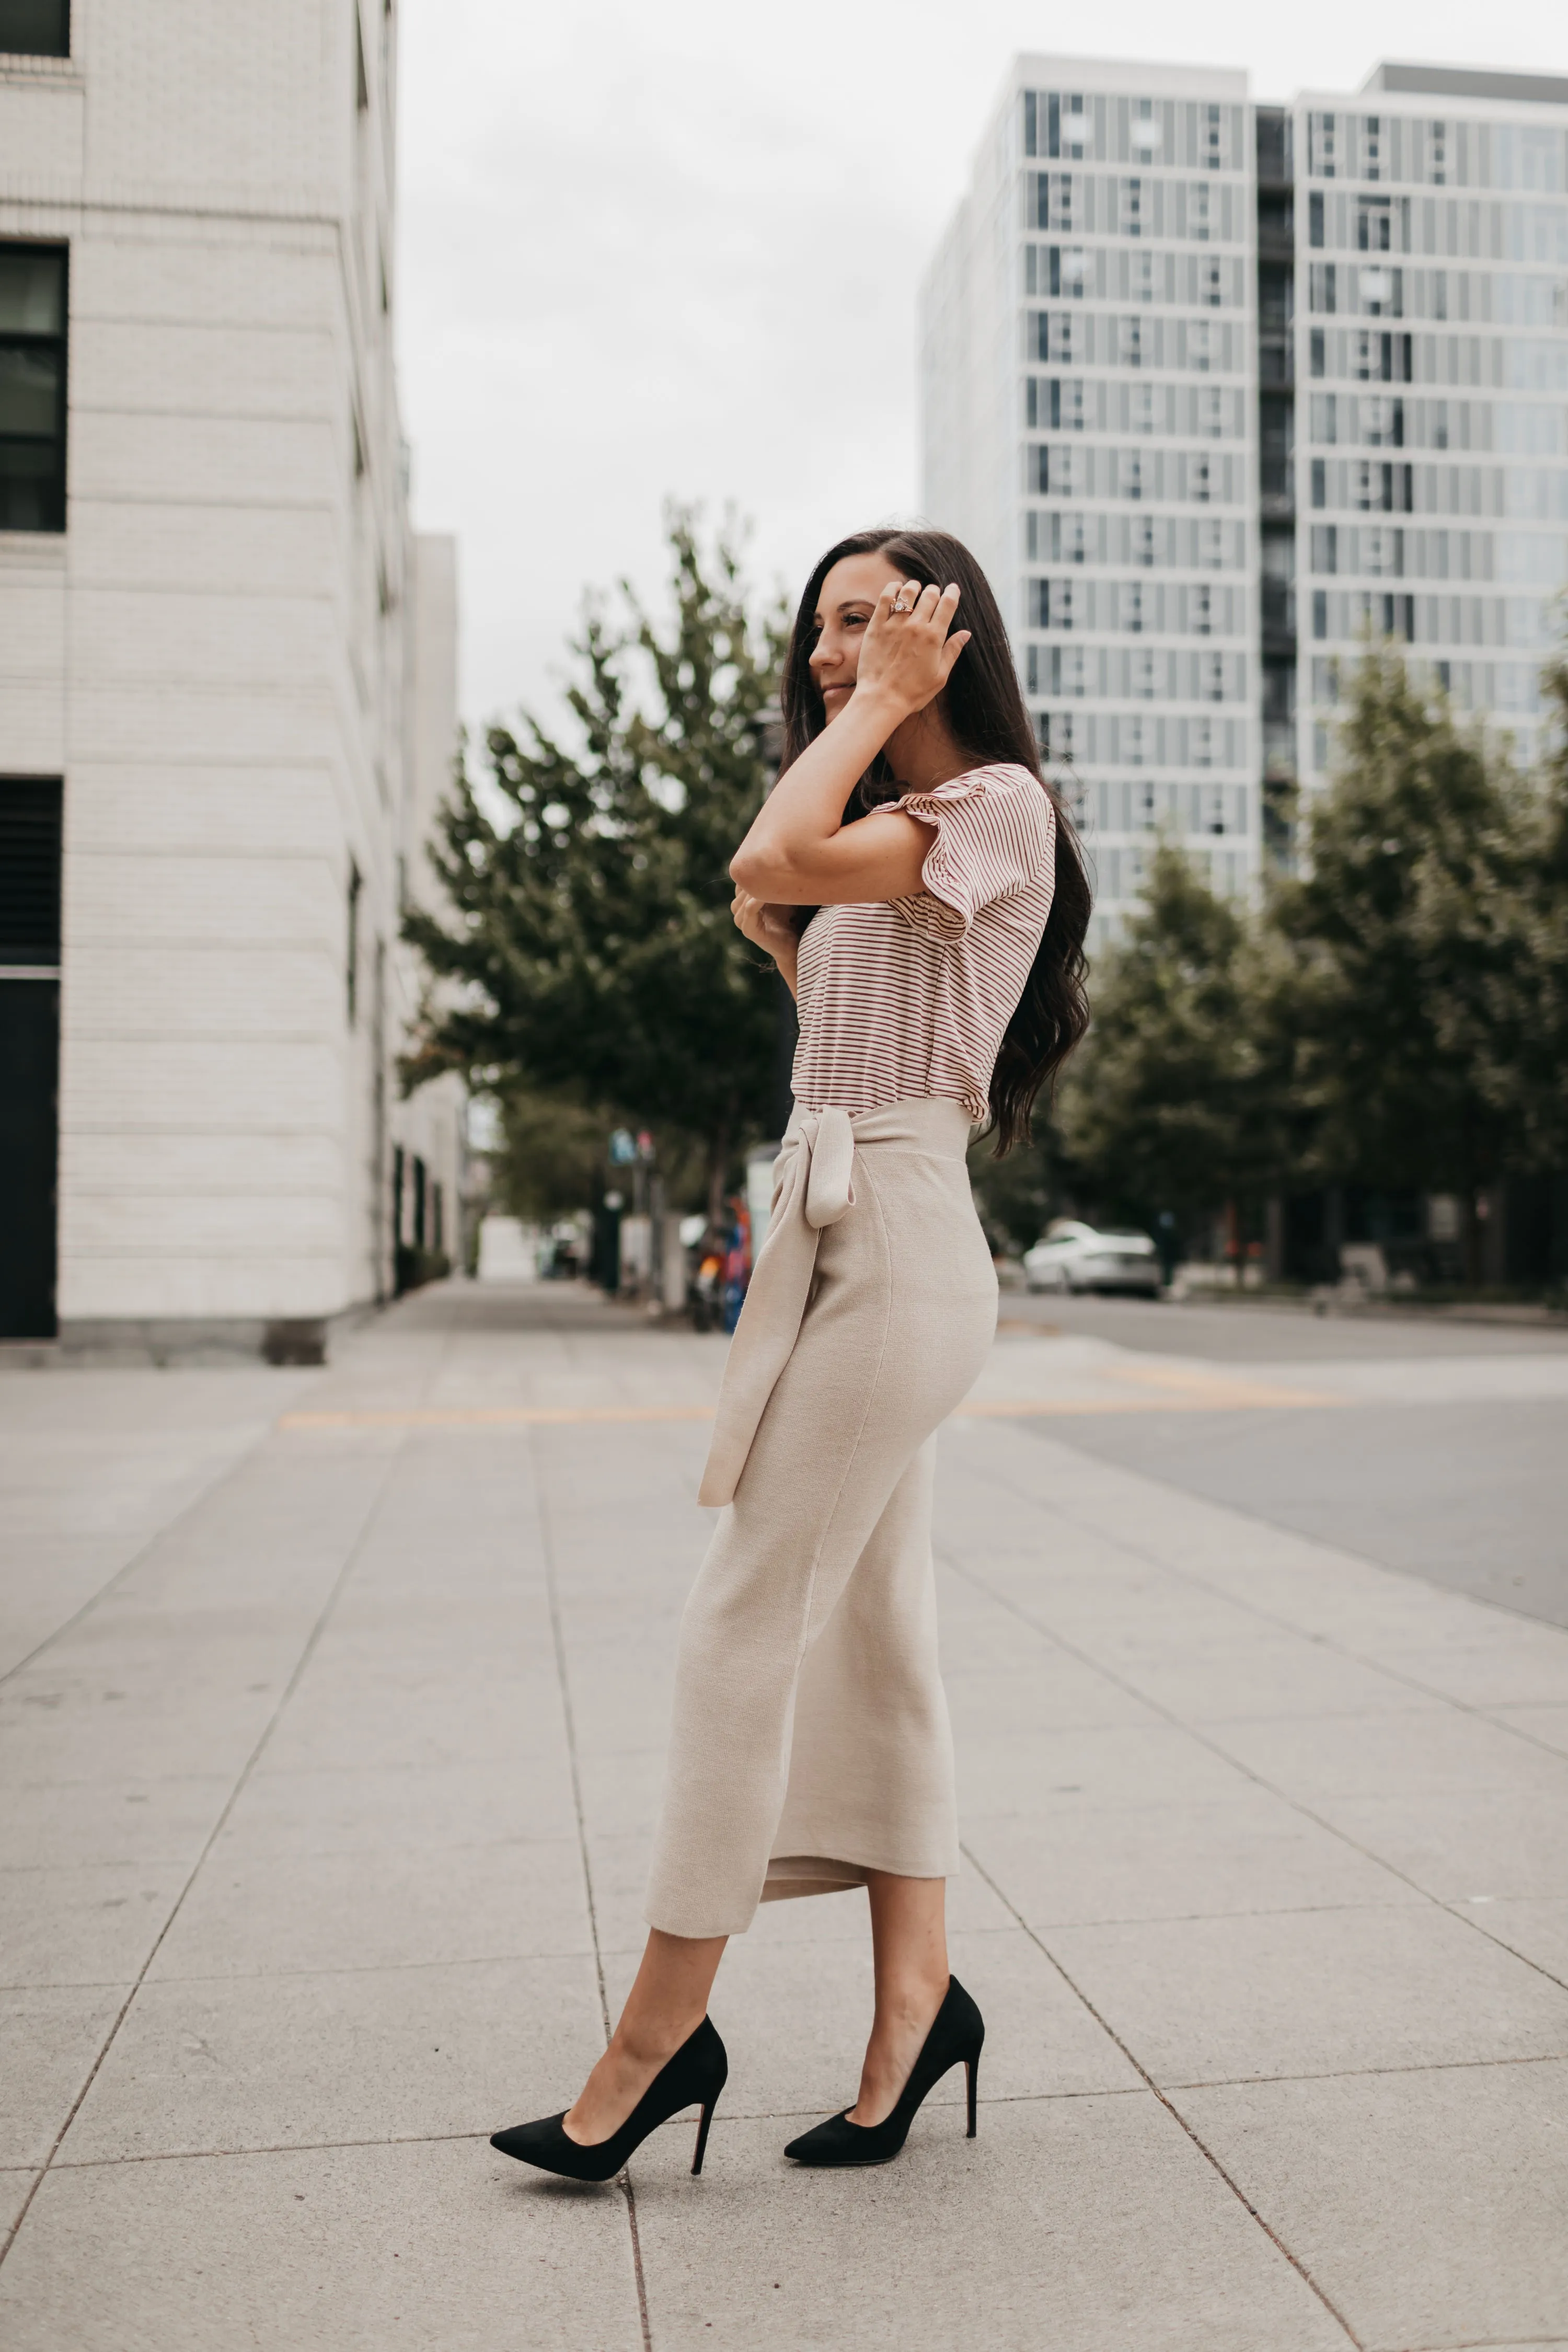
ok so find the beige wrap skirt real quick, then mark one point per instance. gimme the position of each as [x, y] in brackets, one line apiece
[811, 1741]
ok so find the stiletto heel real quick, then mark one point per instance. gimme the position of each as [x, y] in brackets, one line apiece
[955, 2038]
[702, 2138]
[693, 2077]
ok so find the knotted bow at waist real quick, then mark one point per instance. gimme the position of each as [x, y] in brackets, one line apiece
[813, 1187]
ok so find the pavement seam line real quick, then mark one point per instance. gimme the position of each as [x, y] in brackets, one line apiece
[1175, 2113]
[339, 1585]
[1296, 1804]
[954, 2106]
[1266, 1616]
[1448, 1904]
[165, 1527]
[564, 1681]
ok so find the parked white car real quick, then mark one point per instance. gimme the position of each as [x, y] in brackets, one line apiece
[1075, 1256]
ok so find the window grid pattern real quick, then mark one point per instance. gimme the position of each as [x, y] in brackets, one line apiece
[1136, 290]
[1434, 458]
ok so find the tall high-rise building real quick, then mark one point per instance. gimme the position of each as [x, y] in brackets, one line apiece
[226, 683]
[1431, 278]
[1216, 390]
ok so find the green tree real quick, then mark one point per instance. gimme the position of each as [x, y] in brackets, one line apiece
[1014, 1198]
[1530, 985]
[591, 947]
[1407, 999]
[1172, 1104]
[552, 1159]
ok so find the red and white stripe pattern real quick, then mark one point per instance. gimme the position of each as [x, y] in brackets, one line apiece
[908, 998]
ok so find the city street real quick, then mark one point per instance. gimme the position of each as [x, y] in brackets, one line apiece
[330, 1736]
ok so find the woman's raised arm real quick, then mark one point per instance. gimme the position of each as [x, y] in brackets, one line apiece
[799, 852]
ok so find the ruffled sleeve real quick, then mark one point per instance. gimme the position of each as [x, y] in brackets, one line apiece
[994, 830]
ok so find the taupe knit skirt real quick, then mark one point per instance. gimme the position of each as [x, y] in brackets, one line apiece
[811, 1741]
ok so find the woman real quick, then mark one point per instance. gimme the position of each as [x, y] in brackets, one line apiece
[920, 892]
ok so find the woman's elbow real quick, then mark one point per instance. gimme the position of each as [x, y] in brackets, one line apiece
[748, 872]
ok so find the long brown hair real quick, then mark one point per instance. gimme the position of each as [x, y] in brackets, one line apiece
[985, 712]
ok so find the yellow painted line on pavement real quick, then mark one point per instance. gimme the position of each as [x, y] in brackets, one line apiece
[1218, 1397]
[1187, 1380]
[501, 1416]
[1215, 1400]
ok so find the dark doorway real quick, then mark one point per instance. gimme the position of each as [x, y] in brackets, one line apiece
[29, 1052]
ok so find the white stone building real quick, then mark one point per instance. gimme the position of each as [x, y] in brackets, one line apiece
[226, 680]
[1213, 390]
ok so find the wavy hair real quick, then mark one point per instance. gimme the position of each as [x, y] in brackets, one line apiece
[985, 712]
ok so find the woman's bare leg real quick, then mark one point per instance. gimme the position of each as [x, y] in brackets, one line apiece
[909, 1945]
[664, 2006]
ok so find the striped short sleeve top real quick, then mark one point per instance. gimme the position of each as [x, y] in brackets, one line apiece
[908, 998]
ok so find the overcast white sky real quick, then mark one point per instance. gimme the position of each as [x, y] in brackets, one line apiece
[674, 250]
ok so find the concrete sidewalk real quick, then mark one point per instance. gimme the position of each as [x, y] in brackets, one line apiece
[328, 1785]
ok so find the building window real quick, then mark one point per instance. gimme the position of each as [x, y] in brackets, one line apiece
[1438, 154]
[1374, 225]
[350, 949]
[32, 387]
[34, 28]
[1056, 403]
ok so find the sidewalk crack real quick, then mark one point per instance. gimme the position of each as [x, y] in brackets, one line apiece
[1174, 2112]
[558, 1640]
[312, 1640]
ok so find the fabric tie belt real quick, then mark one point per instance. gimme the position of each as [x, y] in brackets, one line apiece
[813, 1187]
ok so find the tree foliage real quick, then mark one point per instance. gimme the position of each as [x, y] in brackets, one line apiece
[1396, 1014]
[1171, 1104]
[1405, 1008]
[591, 946]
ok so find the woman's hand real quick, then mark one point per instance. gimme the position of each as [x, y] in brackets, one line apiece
[907, 655]
[770, 927]
[799, 851]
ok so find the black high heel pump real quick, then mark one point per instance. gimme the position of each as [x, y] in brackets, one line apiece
[954, 2038]
[693, 2077]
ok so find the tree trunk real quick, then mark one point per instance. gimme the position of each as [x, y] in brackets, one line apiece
[1473, 1269]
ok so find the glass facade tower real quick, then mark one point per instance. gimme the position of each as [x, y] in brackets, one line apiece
[1216, 390]
[1432, 466]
